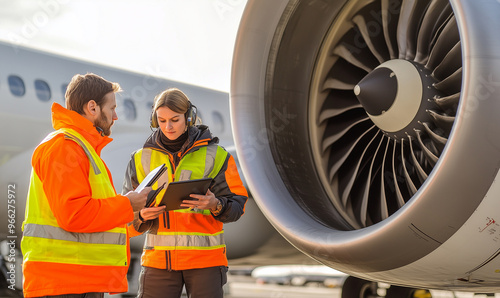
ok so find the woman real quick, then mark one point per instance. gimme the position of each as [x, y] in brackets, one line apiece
[185, 246]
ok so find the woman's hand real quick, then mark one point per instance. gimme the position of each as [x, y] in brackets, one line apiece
[207, 201]
[151, 212]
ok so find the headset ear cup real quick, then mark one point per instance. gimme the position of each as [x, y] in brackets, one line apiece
[153, 121]
[191, 115]
[189, 118]
[195, 115]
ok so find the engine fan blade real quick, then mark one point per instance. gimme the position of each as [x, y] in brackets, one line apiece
[337, 103]
[422, 175]
[451, 62]
[389, 26]
[431, 157]
[427, 29]
[444, 43]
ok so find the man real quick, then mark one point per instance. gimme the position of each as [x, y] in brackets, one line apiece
[75, 242]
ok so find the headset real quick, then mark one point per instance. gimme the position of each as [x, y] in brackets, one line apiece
[190, 116]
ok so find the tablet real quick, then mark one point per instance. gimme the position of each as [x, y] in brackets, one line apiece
[178, 191]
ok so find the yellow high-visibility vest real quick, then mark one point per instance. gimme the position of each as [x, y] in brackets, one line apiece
[206, 162]
[45, 241]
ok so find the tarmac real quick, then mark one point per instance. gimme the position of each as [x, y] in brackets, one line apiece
[247, 287]
[242, 285]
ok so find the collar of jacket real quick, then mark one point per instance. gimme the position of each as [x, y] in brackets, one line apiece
[64, 118]
[199, 135]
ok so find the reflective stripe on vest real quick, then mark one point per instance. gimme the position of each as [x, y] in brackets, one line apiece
[43, 239]
[115, 236]
[170, 241]
[92, 161]
[211, 158]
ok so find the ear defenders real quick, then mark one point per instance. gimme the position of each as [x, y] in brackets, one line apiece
[190, 116]
[153, 121]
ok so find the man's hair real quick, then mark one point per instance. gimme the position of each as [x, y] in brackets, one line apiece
[84, 88]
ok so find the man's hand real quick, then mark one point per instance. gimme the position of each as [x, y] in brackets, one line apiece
[152, 212]
[138, 199]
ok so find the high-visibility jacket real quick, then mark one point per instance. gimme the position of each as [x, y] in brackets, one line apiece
[185, 238]
[57, 261]
[188, 239]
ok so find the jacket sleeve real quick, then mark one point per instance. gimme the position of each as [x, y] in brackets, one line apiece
[229, 188]
[64, 171]
[136, 227]
[130, 182]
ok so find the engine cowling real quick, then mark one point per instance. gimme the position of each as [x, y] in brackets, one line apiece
[368, 135]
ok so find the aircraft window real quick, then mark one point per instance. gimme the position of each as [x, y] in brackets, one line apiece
[130, 111]
[42, 90]
[63, 89]
[218, 123]
[16, 86]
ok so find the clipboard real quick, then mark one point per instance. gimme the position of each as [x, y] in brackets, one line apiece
[178, 191]
[149, 180]
[150, 201]
[152, 177]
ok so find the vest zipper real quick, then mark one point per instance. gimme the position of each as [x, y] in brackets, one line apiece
[166, 224]
[168, 259]
[171, 158]
[166, 220]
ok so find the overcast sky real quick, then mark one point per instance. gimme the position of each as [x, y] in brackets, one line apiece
[185, 40]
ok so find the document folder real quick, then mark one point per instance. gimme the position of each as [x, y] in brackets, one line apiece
[151, 178]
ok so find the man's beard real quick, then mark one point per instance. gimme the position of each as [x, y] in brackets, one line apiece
[102, 123]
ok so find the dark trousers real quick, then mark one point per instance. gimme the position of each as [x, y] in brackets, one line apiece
[200, 283]
[84, 295]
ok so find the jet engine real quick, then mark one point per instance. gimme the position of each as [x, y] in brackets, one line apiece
[368, 133]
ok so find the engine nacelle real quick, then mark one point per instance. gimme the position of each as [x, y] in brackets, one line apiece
[368, 134]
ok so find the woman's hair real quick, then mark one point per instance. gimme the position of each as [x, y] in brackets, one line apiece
[175, 100]
[84, 88]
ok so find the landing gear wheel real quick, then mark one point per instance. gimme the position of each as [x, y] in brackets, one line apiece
[402, 292]
[359, 288]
